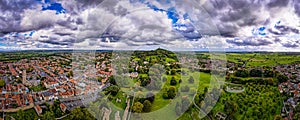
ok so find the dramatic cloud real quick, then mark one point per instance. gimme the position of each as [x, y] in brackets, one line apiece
[232, 17]
[126, 24]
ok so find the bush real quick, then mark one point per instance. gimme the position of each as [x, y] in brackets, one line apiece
[113, 90]
[173, 81]
[171, 92]
[147, 106]
[242, 73]
[2, 83]
[255, 73]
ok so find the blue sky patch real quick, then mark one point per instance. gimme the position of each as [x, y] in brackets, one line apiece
[189, 32]
[262, 28]
[259, 31]
[53, 6]
[1, 44]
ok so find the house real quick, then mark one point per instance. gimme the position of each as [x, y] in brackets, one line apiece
[63, 107]
[51, 84]
[38, 109]
[48, 95]
[134, 74]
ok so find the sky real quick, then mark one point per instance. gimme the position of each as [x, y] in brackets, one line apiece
[232, 25]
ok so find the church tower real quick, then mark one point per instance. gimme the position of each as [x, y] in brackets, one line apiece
[24, 77]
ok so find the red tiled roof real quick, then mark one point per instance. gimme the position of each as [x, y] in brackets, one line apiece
[38, 109]
[63, 107]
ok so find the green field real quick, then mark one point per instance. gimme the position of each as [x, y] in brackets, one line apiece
[258, 59]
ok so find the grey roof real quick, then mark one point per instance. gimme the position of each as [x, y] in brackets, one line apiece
[48, 93]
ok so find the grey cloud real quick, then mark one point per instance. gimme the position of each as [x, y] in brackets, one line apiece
[231, 15]
[250, 41]
[276, 40]
[12, 10]
[11, 16]
[54, 41]
[16, 5]
[278, 3]
[275, 32]
[63, 34]
[90, 2]
[283, 30]
[297, 7]
[290, 45]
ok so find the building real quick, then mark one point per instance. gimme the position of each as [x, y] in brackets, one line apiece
[38, 109]
[52, 84]
[63, 107]
[24, 77]
[48, 95]
[134, 74]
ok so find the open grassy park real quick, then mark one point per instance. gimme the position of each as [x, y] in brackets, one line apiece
[242, 97]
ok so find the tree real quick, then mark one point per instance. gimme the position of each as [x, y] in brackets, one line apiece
[139, 96]
[70, 73]
[297, 108]
[137, 107]
[282, 78]
[2, 83]
[112, 80]
[150, 96]
[230, 107]
[20, 115]
[242, 73]
[173, 72]
[268, 73]
[255, 73]
[165, 93]
[48, 116]
[113, 90]
[80, 114]
[173, 81]
[205, 90]
[164, 79]
[277, 117]
[295, 117]
[171, 92]
[147, 106]
[30, 115]
[191, 79]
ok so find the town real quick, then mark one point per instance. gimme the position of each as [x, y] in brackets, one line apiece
[67, 82]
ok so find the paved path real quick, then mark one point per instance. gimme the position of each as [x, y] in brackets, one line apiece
[228, 89]
[62, 117]
[19, 108]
